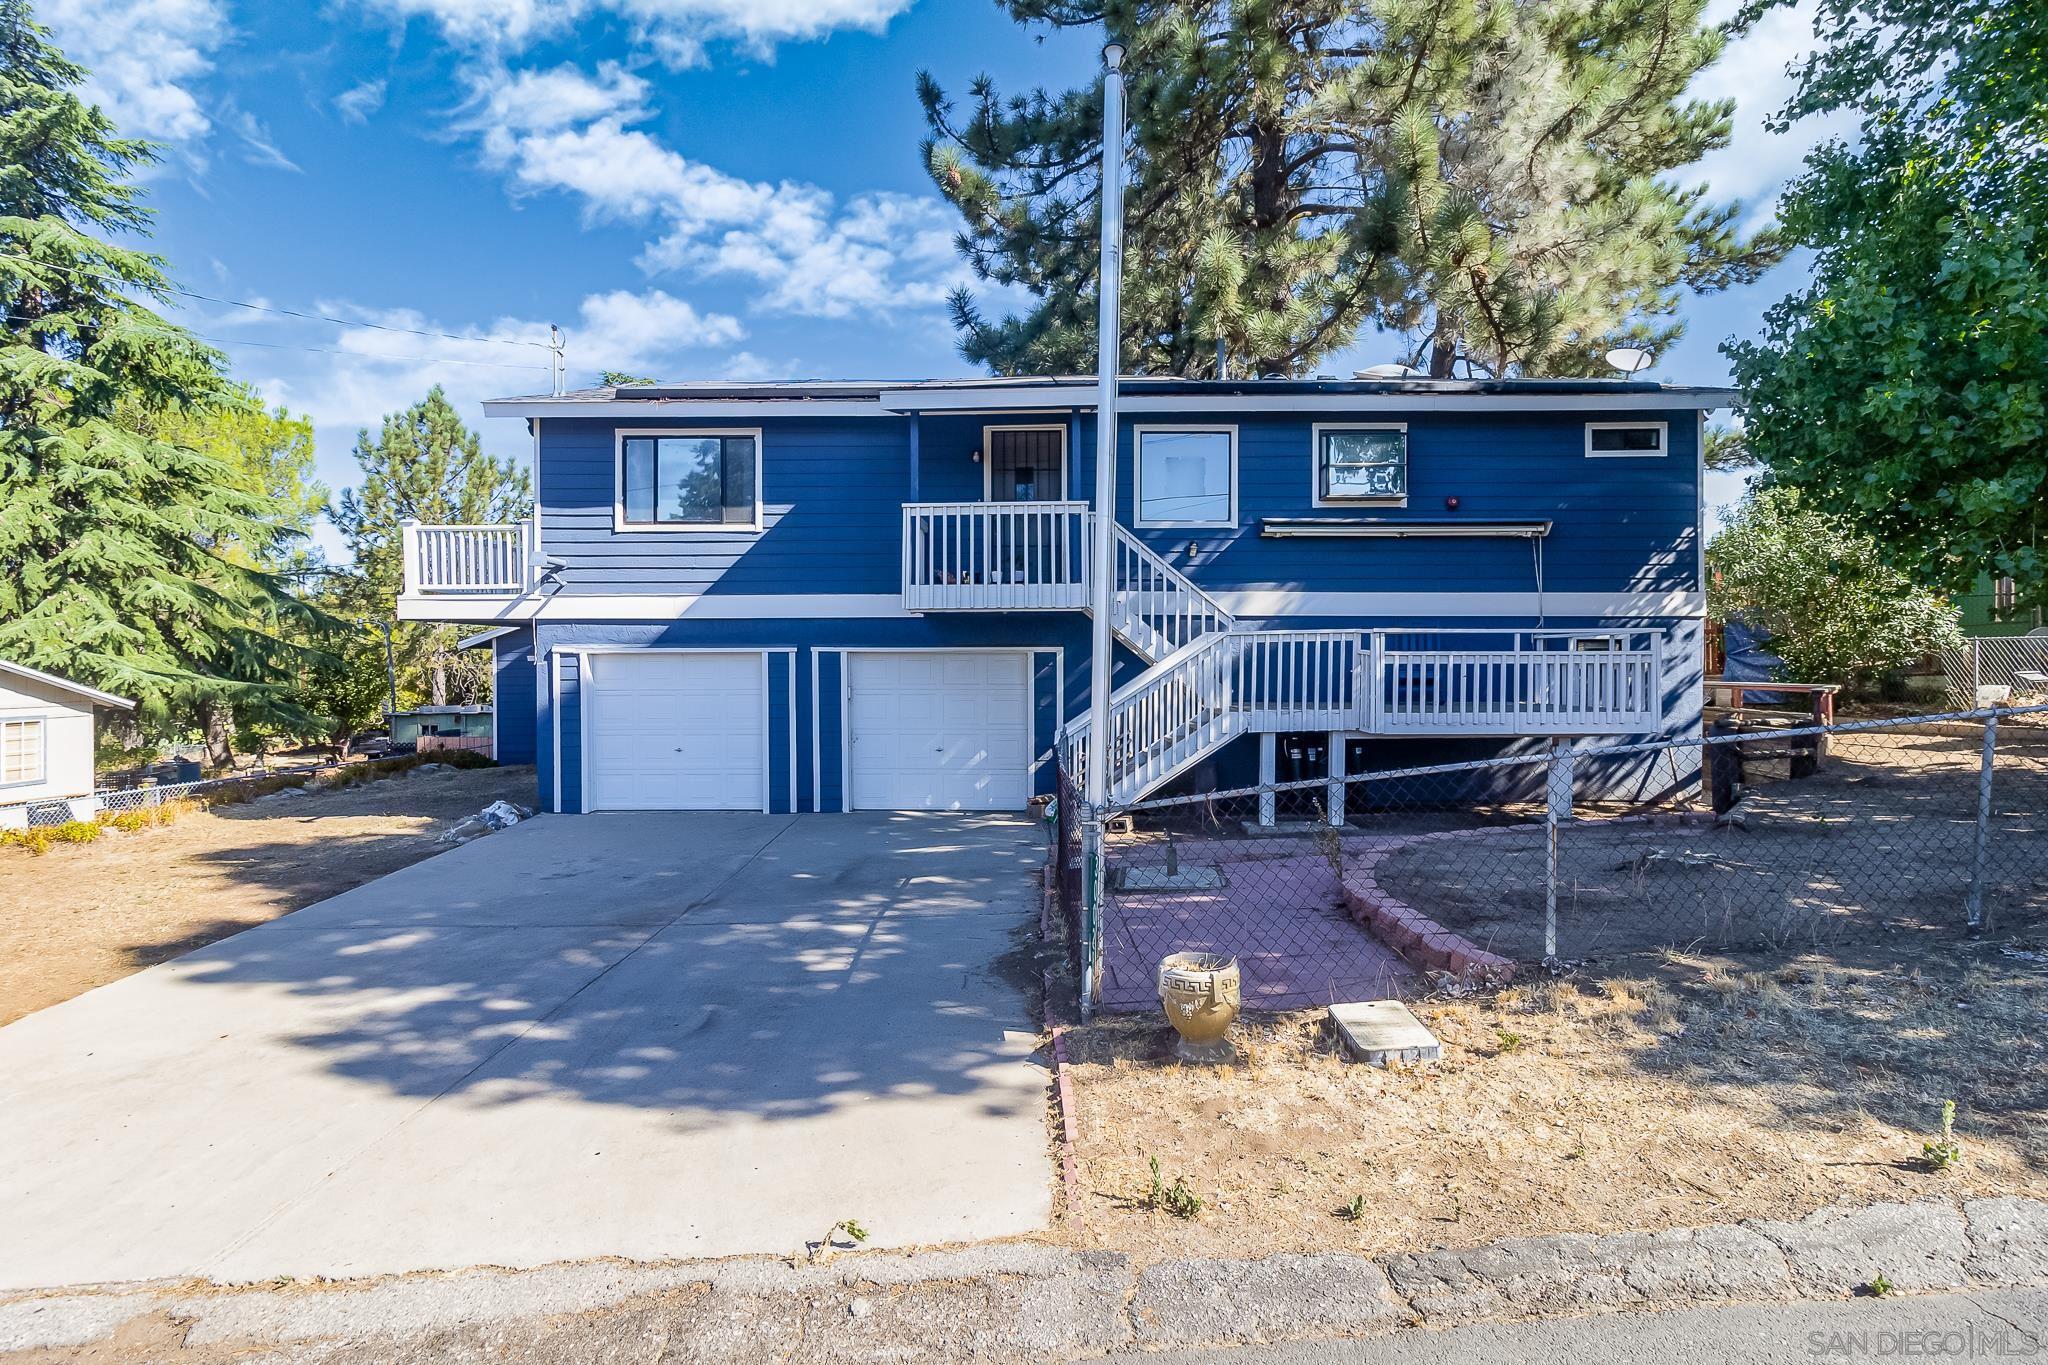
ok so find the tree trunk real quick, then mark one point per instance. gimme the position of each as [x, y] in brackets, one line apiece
[217, 723]
[1443, 354]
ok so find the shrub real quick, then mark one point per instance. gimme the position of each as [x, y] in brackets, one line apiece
[76, 832]
[35, 841]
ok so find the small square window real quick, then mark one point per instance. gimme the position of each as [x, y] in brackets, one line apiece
[1626, 439]
[1361, 464]
[696, 480]
[21, 751]
[1187, 476]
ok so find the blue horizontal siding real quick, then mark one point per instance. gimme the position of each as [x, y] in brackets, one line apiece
[833, 490]
[512, 696]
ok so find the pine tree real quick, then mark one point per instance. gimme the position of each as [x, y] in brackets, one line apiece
[112, 530]
[427, 466]
[1484, 177]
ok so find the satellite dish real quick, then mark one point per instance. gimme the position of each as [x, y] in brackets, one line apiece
[1391, 372]
[1630, 359]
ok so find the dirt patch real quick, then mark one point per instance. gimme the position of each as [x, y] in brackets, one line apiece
[1684, 1090]
[1880, 841]
[79, 917]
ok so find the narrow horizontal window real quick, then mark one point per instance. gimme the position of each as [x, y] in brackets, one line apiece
[21, 751]
[1361, 464]
[1626, 438]
[699, 480]
[1187, 477]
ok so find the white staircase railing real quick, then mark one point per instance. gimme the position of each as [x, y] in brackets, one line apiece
[1155, 608]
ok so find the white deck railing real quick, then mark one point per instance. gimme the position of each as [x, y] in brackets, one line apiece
[473, 560]
[1157, 609]
[1251, 681]
[995, 556]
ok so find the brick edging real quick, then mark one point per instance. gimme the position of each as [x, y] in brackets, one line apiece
[1426, 944]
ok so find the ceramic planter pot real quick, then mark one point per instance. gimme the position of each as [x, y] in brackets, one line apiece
[1199, 992]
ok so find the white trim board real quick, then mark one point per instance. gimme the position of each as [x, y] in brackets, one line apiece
[1139, 432]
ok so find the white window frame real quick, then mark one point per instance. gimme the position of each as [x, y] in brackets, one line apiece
[624, 434]
[1663, 430]
[42, 772]
[1315, 465]
[988, 462]
[1138, 518]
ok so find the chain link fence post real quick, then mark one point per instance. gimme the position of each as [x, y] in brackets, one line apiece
[1093, 875]
[1978, 920]
[1557, 810]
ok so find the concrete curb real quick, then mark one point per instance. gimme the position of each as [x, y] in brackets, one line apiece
[1008, 1299]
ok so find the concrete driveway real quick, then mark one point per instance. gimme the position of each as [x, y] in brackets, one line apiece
[649, 1036]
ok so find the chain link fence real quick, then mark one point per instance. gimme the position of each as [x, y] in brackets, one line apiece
[2015, 664]
[1401, 881]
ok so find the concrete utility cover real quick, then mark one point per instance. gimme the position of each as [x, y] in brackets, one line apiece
[641, 1035]
[1383, 1032]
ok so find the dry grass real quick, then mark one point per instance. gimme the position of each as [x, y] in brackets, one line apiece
[1686, 1090]
[84, 914]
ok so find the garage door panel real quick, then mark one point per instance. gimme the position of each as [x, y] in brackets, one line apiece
[675, 731]
[940, 731]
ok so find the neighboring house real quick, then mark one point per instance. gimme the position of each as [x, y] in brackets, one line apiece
[451, 722]
[1992, 608]
[46, 735]
[830, 596]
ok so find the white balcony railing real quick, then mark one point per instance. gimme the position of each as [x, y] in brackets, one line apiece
[995, 556]
[477, 561]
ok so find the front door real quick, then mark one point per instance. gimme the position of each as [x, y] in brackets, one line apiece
[1026, 464]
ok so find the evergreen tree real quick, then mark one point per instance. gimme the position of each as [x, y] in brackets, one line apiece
[1903, 388]
[425, 465]
[114, 532]
[1484, 177]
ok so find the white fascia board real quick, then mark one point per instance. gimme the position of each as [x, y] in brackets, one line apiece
[682, 409]
[76, 689]
[997, 398]
[1702, 399]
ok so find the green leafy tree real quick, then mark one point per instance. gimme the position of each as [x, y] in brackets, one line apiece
[425, 465]
[1823, 593]
[1904, 387]
[613, 379]
[116, 564]
[1489, 180]
[270, 451]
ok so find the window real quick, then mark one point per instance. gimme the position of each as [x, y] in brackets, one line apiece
[1187, 476]
[695, 480]
[1612, 440]
[1361, 464]
[2004, 595]
[21, 751]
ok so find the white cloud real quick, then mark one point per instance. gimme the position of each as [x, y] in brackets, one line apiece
[674, 30]
[566, 130]
[1755, 72]
[259, 148]
[357, 103]
[145, 56]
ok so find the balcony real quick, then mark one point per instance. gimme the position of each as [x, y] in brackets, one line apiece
[454, 572]
[995, 556]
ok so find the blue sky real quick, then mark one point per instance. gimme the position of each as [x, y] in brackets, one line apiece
[690, 188]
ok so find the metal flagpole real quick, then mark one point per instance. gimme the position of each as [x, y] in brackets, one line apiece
[1102, 567]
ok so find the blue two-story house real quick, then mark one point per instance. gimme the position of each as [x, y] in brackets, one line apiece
[845, 596]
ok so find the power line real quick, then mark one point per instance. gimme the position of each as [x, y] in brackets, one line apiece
[283, 312]
[371, 355]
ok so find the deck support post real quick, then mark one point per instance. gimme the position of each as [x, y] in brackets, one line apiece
[1335, 801]
[1977, 919]
[1557, 810]
[1269, 767]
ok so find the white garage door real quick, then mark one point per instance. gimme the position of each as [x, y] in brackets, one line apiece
[942, 731]
[674, 731]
